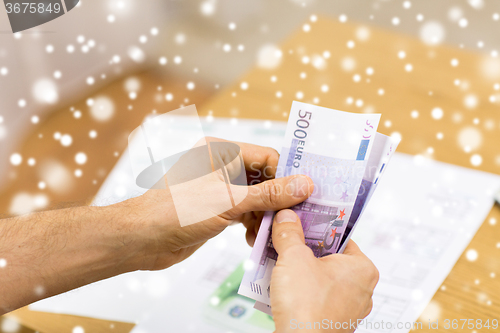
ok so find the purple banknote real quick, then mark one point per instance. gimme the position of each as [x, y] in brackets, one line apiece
[335, 149]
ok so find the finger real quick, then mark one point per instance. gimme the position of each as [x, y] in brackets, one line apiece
[249, 220]
[287, 231]
[261, 160]
[353, 249]
[273, 194]
[368, 309]
[250, 236]
[252, 222]
[371, 271]
[257, 223]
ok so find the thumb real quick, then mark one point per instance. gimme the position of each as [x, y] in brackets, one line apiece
[287, 230]
[273, 194]
[352, 249]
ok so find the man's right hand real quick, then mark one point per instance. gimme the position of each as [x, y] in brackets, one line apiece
[333, 289]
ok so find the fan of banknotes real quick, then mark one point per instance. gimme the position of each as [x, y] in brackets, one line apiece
[345, 157]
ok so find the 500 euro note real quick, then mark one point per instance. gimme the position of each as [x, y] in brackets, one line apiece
[333, 148]
[382, 151]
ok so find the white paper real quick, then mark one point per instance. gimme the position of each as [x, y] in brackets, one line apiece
[418, 223]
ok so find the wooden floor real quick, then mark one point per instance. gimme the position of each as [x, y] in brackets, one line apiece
[338, 65]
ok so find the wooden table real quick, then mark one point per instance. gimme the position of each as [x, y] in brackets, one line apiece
[354, 68]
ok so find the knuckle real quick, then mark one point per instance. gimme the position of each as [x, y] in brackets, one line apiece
[289, 233]
[282, 234]
[368, 309]
[373, 273]
[286, 233]
[274, 154]
[271, 163]
[271, 193]
[376, 274]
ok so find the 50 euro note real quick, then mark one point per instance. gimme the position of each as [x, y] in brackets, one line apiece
[333, 148]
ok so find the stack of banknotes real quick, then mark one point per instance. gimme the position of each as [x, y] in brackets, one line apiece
[345, 157]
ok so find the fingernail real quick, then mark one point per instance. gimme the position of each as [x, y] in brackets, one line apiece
[286, 215]
[299, 186]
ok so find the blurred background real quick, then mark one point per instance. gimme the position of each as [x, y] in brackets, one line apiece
[198, 46]
[57, 119]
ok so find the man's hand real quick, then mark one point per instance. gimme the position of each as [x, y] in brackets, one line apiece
[337, 288]
[166, 242]
[51, 252]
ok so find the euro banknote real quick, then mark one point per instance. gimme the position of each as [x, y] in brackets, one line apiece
[382, 151]
[334, 149]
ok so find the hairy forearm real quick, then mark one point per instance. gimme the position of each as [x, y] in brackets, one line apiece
[52, 252]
